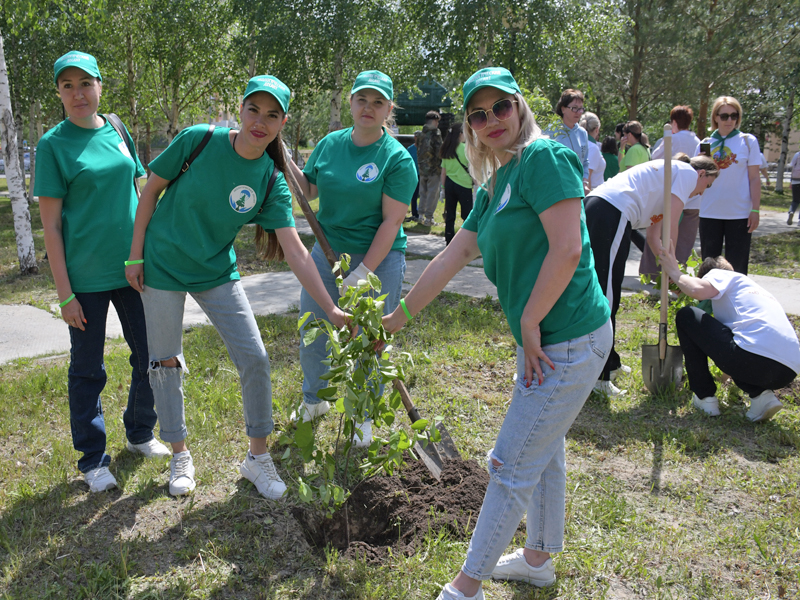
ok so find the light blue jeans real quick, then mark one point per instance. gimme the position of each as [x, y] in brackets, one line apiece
[391, 272]
[230, 313]
[530, 447]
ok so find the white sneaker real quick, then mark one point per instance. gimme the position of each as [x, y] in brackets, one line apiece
[100, 479]
[623, 370]
[709, 405]
[151, 449]
[451, 593]
[607, 388]
[181, 474]
[260, 470]
[764, 406]
[514, 567]
[310, 411]
[366, 437]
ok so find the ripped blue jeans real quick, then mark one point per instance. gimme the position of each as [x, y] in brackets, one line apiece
[532, 470]
[229, 311]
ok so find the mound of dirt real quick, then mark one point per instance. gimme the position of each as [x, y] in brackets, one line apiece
[398, 511]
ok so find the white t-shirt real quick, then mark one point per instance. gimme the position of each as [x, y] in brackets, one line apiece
[795, 165]
[597, 165]
[756, 318]
[638, 193]
[684, 141]
[729, 196]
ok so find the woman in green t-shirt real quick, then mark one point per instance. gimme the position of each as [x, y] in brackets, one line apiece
[184, 243]
[634, 149]
[86, 179]
[456, 179]
[528, 224]
[364, 179]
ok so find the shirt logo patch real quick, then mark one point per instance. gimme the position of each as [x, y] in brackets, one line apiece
[123, 147]
[367, 173]
[242, 198]
[504, 199]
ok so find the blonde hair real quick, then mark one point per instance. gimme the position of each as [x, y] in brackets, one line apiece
[389, 121]
[483, 163]
[719, 103]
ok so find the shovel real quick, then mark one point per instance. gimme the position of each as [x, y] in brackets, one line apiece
[432, 454]
[663, 364]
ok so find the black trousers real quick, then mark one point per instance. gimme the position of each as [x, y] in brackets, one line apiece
[733, 233]
[414, 198]
[702, 337]
[610, 237]
[455, 194]
[795, 197]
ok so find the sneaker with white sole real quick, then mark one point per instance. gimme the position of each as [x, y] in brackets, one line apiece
[151, 449]
[451, 593]
[709, 405]
[764, 406]
[366, 431]
[100, 479]
[310, 412]
[622, 370]
[181, 474]
[606, 388]
[514, 567]
[789, 218]
[260, 470]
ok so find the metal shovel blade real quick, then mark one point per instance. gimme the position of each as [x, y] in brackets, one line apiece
[658, 373]
[433, 454]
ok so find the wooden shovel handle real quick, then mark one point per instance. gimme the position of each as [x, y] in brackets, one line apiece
[666, 235]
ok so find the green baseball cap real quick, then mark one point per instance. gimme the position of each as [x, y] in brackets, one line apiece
[496, 77]
[85, 62]
[374, 80]
[273, 86]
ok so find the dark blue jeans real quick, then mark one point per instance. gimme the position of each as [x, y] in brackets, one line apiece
[87, 376]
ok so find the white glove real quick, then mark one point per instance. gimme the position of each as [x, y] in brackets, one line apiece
[441, 193]
[357, 274]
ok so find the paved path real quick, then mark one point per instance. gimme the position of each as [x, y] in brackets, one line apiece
[26, 331]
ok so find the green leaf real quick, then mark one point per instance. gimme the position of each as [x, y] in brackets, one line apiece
[305, 492]
[286, 454]
[328, 393]
[304, 434]
[420, 425]
[311, 335]
[302, 320]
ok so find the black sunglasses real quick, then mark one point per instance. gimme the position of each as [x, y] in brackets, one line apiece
[502, 110]
[726, 116]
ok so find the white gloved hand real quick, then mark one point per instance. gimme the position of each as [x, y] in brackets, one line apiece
[360, 272]
[441, 193]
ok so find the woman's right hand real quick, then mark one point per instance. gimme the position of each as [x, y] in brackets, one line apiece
[394, 322]
[72, 314]
[135, 276]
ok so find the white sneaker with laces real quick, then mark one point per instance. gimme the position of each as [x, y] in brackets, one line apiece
[623, 370]
[100, 480]
[451, 593]
[310, 412]
[764, 406]
[260, 470]
[709, 405]
[366, 439]
[514, 567]
[181, 474]
[151, 449]
[607, 388]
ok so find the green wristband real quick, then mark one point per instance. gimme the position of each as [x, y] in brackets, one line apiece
[128, 263]
[67, 301]
[405, 310]
[755, 210]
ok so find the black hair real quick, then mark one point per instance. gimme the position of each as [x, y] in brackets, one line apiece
[618, 129]
[609, 145]
[451, 141]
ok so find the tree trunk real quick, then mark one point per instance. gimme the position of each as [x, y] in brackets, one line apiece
[16, 186]
[638, 65]
[787, 127]
[337, 94]
[133, 106]
[32, 142]
[147, 149]
[702, 112]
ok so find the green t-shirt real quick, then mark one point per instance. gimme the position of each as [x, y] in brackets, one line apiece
[189, 241]
[351, 181]
[92, 171]
[455, 171]
[635, 155]
[612, 165]
[513, 242]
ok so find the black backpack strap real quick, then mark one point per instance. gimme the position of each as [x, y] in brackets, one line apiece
[116, 123]
[272, 179]
[462, 164]
[195, 153]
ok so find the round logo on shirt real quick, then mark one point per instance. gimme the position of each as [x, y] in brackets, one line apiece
[367, 173]
[724, 157]
[242, 198]
[504, 198]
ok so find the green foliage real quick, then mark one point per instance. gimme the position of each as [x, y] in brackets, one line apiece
[359, 364]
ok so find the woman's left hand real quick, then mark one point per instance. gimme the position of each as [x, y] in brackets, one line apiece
[753, 221]
[339, 318]
[532, 345]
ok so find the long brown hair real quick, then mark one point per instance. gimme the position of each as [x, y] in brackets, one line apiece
[267, 244]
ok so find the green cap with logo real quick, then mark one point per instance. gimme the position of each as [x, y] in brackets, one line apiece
[496, 77]
[374, 80]
[85, 62]
[271, 85]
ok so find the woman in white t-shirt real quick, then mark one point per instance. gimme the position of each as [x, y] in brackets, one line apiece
[795, 187]
[729, 214]
[749, 337]
[634, 199]
[597, 164]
